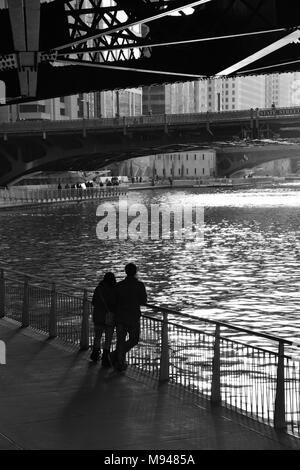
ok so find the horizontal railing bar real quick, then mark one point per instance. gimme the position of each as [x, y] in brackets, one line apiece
[49, 281]
[163, 309]
[212, 334]
[225, 324]
[138, 121]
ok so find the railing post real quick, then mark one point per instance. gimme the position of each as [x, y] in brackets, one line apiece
[2, 294]
[279, 412]
[164, 354]
[85, 326]
[216, 370]
[53, 314]
[25, 309]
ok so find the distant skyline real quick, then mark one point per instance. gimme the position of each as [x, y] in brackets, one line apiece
[227, 94]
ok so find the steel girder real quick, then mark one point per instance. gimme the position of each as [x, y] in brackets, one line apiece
[89, 45]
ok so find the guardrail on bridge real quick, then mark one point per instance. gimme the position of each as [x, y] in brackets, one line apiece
[19, 196]
[127, 122]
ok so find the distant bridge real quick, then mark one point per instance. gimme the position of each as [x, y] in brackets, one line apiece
[29, 146]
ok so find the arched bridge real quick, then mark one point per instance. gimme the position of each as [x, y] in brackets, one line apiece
[29, 146]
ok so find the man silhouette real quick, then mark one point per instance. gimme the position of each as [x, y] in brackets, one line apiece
[130, 295]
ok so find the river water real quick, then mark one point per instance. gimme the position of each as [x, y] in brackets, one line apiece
[246, 271]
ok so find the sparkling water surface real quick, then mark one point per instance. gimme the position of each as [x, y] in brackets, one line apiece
[246, 271]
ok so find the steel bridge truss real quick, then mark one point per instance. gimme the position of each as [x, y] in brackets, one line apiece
[121, 35]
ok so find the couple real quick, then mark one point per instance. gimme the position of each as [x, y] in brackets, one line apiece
[117, 305]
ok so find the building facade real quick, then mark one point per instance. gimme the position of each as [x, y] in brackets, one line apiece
[114, 103]
[185, 165]
[233, 94]
[176, 98]
[279, 90]
[179, 165]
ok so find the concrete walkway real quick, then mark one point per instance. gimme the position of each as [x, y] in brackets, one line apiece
[52, 397]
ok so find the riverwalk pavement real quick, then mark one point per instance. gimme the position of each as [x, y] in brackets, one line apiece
[53, 397]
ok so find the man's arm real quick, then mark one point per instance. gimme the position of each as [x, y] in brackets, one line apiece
[143, 294]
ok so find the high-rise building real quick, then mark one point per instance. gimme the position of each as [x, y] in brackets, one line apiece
[118, 103]
[176, 98]
[279, 90]
[63, 108]
[238, 93]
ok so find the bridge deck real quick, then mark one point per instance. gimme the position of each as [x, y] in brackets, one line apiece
[52, 397]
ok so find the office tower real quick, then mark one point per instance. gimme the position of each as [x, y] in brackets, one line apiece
[279, 90]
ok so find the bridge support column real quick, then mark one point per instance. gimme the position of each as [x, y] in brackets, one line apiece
[166, 125]
[25, 22]
[251, 123]
[257, 124]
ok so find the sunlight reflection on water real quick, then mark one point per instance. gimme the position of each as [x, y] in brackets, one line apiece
[246, 271]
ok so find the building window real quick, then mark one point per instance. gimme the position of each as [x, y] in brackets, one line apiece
[203, 157]
[187, 171]
[195, 171]
[62, 112]
[187, 157]
[203, 171]
[62, 99]
[195, 157]
[32, 108]
[179, 171]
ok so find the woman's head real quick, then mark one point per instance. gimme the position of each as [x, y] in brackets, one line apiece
[110, 279]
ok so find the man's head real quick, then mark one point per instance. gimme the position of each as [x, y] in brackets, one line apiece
[130, 269]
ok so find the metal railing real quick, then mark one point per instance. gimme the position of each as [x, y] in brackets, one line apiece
[15, 196]
[44, 126]
[216, 360]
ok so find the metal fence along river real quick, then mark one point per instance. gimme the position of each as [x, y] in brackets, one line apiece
[20, 196]
[210, 360]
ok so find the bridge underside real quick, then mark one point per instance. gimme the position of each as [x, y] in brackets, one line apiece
[20, 156]
[57, 51]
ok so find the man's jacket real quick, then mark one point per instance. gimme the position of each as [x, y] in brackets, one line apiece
[130, 295]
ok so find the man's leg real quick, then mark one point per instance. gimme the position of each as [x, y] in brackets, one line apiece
[134, 337]
[106, 357]
[121, 337]
[98, 331]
